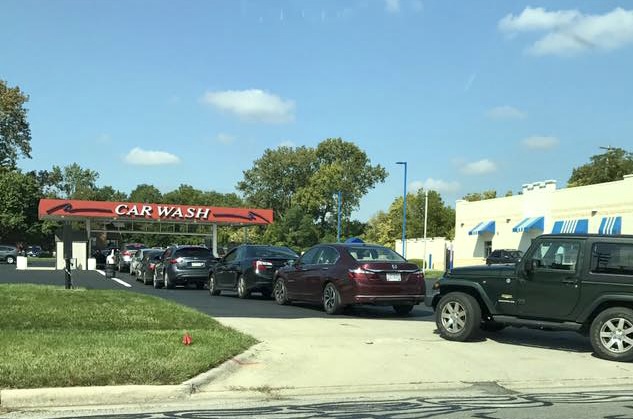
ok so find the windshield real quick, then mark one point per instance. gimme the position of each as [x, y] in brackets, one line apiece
[271, 252]
[193, 252]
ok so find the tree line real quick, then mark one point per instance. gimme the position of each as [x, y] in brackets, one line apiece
[301, 184]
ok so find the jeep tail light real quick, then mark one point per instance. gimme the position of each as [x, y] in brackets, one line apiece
[260, 265]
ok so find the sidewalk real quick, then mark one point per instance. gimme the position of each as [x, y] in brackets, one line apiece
[308, 357]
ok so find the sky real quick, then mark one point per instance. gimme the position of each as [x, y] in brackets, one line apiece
[472, 95]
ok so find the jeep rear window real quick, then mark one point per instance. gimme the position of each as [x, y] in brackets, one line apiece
[193, 252]
[612, 258]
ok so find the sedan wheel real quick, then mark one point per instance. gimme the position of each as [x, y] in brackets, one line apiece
[167, 282]
[242, 292]
[212, 288]
[612, 334]
[157, 283]
[331, 299]
[279, 290]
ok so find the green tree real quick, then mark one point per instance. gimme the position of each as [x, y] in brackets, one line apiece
[145, 193]
[480, 196]
[606, 167]
[276, 176]
[295, 229]
[72, 182]
[15, 133]
[107, 193]
[19, 194]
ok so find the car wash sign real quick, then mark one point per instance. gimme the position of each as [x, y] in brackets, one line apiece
[76, 209]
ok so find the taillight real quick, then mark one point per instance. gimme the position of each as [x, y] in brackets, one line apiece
[360, 273]
[152, 266]
[175, 261]
[260, 265]
[127, 253]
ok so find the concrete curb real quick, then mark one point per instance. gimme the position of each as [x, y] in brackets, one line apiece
[128, 394]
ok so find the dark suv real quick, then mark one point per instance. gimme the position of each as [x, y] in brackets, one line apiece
[504, 256]
[582, 283]
[182, 265]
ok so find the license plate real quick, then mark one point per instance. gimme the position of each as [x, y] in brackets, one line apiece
[197, 263]
[393, 276]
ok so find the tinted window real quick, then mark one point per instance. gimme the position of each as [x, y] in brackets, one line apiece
[612, 258]
[495, 254]
[326, 256]
[516, 254]
[149, 255]
[374, 254]
[230, 257]
[309, 257]
[134, 246]
[193, 252]
[562, 255]
[271, 252]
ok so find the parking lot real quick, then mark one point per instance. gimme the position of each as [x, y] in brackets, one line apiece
[302, 347]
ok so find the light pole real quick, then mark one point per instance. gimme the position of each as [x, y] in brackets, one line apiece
[426, 211]
[404, 210]
[338, 226]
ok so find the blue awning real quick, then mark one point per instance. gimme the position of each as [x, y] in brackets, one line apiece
[354, 240]
[579, 226]
[530, 223]
[483, 227]
[611, 225]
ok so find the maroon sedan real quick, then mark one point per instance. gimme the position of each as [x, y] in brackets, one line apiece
[338, 275]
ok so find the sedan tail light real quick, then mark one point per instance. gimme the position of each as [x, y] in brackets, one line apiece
[126, 253]
[152, 266]
[175, 261]
[260, 265]
[360, 273]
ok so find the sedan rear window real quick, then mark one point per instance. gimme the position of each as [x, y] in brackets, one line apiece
[374, 254]
[193, 252]
[271, 252]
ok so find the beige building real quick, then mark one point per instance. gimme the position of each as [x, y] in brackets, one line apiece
[437, 251]
[512, 222]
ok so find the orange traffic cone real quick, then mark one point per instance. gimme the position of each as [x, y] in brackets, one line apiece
[186, 339]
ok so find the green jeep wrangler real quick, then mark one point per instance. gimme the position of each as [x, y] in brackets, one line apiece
[582, 283]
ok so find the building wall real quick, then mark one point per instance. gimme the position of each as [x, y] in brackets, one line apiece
[538, 199]
[436, 248]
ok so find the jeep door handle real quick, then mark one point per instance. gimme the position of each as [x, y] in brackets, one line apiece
[569, 281]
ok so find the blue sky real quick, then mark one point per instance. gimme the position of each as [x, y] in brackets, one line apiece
[473, 95]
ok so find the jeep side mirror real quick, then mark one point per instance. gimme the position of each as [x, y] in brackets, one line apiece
[530, 265]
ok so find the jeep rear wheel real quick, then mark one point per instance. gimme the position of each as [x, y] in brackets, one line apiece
[458, 316]
[611, 334]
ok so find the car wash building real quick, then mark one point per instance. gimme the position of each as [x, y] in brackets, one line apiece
[512, 222]
[83, 220]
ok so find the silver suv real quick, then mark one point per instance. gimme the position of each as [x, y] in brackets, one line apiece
[8, 253]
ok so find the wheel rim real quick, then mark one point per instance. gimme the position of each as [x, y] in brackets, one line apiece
[329, 297]
[165, 279]
[616, 335]
[211, 284]
[453, 317]
[9, 260]
[280, 293]
[240, 286]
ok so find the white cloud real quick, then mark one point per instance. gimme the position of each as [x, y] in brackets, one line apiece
[253, 105]
[287, 143]
[392, 6]
[224, 138]
[570, 32]
[505, 112]
[539, 142]
[438, 185]
[140, 157]
[479, 167]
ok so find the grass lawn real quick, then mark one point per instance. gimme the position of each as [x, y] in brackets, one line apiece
[433, 274]
[52, 337]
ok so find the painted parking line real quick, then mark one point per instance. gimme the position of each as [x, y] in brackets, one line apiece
[120, 281]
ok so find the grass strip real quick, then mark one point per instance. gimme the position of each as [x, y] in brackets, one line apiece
[52, 337]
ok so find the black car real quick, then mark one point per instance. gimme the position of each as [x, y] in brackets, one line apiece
[145, 270]
[504, 256]
[182, 265]
[249, 268]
